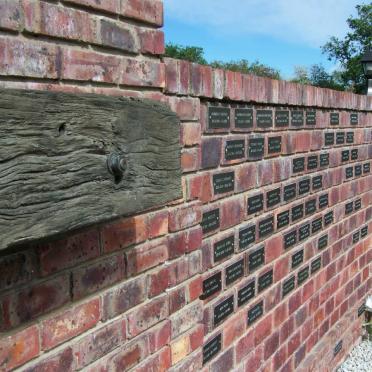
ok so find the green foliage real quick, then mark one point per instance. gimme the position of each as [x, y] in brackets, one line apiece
[188, 53]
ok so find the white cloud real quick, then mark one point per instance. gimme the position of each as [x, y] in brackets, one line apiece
[309, 22]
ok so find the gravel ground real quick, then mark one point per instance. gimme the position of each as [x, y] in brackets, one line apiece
[359, 360]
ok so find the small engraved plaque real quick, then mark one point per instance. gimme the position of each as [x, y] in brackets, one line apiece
[345, 155]
[329, 139]
[218, 117]
[282, 219]
[335, 118]
[255, 312]
[323, 201]
[273, 198]
[337, 348]
[316, 265]
[288, 286]
[361, 310]
[317, 182]
[290, 239]
[310, 207]
[364, 231]
[297, 118]
[316, 225]
[223, 182]
[298, 165]
[234, 272]
[304, 232]
[255, 204]
[358, 170]
[256, 147]
[323, 242]
[223, 310]
[212, 348]
[297, 212]
[243, 118]
[210, 221]
[310, 117]
[247, 236]
[349, 172]
[234, 149]
[297, 258]
[328, 218]
[356, 237]
[354, 154]
[211, 286]
[303, 275]
[266, 227]
[223, 248]
[340, 138]
[264, 118]
[350, 137]
[324, 160]
[256, 259]
[265, 280]
[289, 192]
[349, 207]
[246, 293]
[304, 186]
[312, 162]
[281, 118]
[275, 145]
[366, 168]
[354, 119]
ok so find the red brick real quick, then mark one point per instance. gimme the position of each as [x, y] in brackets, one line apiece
[224, 362]
[286, 329]
[184, 77]
[274, 248]
[218, 83]
[263, 329]
[171, 75]
[158, 281]
[210, 152]
[232, 212]
[70, 323]
[190, 134]
[200, 187]
[271, 345]
[120, 36]
[244, 345]
[157, 224]
[152, 41]
[11, 15]
[186, 319]
[160, 336]
[62, 361]
[294, 343]
[294, 302]
[280, 314]
[195, 289]
[185, 216]
[246, 177]
[233, 329]
[150, 11]
[279, 358]
[254, 361]
[187, 108]
[112, 6]
[177, 299]
[190, 159]
[264, 172]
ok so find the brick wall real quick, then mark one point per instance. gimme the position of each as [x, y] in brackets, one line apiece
[264, 263]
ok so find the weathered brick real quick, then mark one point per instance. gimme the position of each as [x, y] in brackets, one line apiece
[271, 345]
[112, 6]
[185, 216]
[187, 108]
[177, 299]
[160, 336]
[190, 134]
[117, 35]
[210, 152]
[180, 348]
[157, 224]
[152, 42]
[150, 11]
[61, 361]
[158, 281]
[11, 15]
[224, 362]
[190, 159]
[232, 212]
[262, 329]
[185, 319]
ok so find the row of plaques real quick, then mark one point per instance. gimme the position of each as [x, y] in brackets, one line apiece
[313, 162]
[338, 138]
[353, 206]
[360, 234]
[357, 170]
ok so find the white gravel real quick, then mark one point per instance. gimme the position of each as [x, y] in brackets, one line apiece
[359, 360]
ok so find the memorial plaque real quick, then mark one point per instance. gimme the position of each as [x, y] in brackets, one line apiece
[219, 117]
[329, 139]
[335, 118]
[316, 265]
[310, 117]
[350, 137]
[304, 186]
[297, 118]
[255, 312]
[361, 310]
[366, 168]
[297, 212]
[281, 118]
[243, 118]
[312, 162]
[223, 248]
[256, 259]
[264, 118]
[212, 348]
[298, 165]
[323, 242]
[337, 348]
[288, 286]
[323, 201]
[234, 149]
[290, 239]
[234, 272]
[255, 204]
[273, 198]
[247, 236]
[289, 192]
[340, 138]
[256, 147]
[275, 145]
[297, 258]
[356, 237]
[358, 204]
[310, 207]
[265, 280]
[358, 170]
[317, 182]
[349, 172]
[223, 310]
[282, 219]
[246, 293]
[223, 182]
[303, 275]
[328, 218]
[364, 231]
[354, 119]
[210, 221]
[345, 155]
[266, 227]
[211, 285]
[324, 160]
[354, 154]
[304, 232]
[316, 225]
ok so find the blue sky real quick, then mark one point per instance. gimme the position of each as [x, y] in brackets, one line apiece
[279, 33]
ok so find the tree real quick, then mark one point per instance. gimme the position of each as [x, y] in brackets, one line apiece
[188, 53]
[301, 75]
[349, 51]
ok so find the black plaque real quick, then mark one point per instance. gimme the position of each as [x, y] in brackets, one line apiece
[340, 138]
[219, 118]
[247, 236]
[223, 182]
[288, 286]
[255, 312]
[297, 258]
[328, 218]
[361, 310]
[256, 259]
[317, 182]
[265, 280]
[364, 231]
[354, 119]
[234, 272]
[266, 227]
[349, 207]
[354, 154]
[282, 219]
[234, 149]
[323, 201]
[298, 165]
[281, 118]
[246, 293]
[335, 118]
[349, 172]
[356, 237]
[358, 170]
[323, 242]
[211, 285]
[297, 212]
[290, 239]
[275, 145]
[210, 221]
[303, 275]
[264, 118]
[289, 192]
[273, 198]
[316, 265]
[223, 248]
[316, 225]
[329, 139]
[366, 168]
[256, 147]
[297, 118]
[312, 162]
[304, 186]
[337, 348]
[310, 117]
[304, 232]
[345, 155]
[324, 160]
[255, 204]
[212, 348]
[243, 118]
[310, 207]
[350, 137]
[223, 310]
